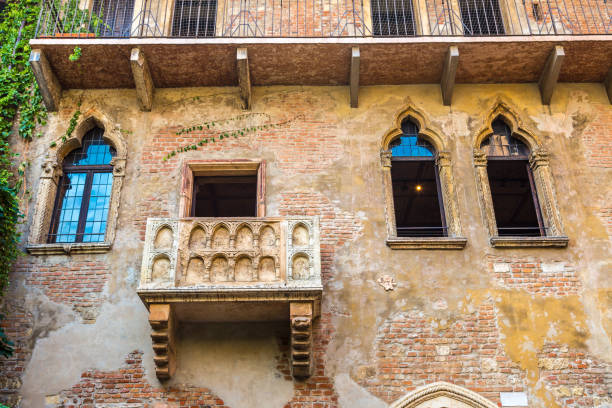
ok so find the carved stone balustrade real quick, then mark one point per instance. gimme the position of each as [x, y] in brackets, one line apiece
[231, 270]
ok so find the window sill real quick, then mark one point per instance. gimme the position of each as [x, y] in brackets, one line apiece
[426, 243]
[68, 248]
[527, 242]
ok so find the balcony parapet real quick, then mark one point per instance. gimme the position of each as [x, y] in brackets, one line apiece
[231, 270]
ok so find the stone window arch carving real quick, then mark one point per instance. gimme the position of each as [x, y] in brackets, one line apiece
[452, 238]
[443, 394]
[38, 241]
[543, 187]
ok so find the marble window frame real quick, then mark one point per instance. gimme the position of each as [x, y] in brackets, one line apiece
[540, 167]
[48, 186]
[454, 238]
[193, 168]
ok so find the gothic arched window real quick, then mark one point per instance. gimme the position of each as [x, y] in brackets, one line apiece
[417, 198]
[83, 197]
[512, 185]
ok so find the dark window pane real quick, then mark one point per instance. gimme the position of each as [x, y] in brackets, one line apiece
[194, 18]
[71, 190]
[393, 18]
[514, 201]
[94, 151]
[225, 196]
[115, 16]
[416, 199]
[481, 17]
[502, 144]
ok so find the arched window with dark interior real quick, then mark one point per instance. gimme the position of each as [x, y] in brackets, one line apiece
[417, 198]
[513, 191]
[83, 197]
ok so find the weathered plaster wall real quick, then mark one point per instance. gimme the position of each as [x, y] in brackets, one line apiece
[532, 320]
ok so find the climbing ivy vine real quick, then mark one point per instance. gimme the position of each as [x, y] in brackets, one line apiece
[21, 112]
[214, 130]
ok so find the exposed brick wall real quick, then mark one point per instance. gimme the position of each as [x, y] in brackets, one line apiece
[297, 18]
[128, 385]
[546, 279]
[149, 207]
[606, 217]
[17, 325]
[318, 390]
[575, 379]
[413, 350]
[597, 138]
[301, 145]
[337, 227]
[78, 284]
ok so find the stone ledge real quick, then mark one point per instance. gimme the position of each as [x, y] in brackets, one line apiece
[427, 243]
[68, 249]
[225, 294]
[529, 242]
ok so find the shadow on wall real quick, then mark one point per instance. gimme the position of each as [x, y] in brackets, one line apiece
[237, 361]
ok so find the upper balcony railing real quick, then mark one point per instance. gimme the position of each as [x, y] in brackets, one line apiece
[321, 18]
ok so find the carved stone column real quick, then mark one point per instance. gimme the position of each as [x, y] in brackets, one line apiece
[484, 191]
[301, 315]
[161, 319]
[47, 190]
[385, 157]
[538, 160]
[448, 194]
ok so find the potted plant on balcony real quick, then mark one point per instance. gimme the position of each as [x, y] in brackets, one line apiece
[66, 19]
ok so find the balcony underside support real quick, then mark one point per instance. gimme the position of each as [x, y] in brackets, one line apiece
[354, 80]
[162, 321]
[550, 74]
[608, 84]
[49, 86]
[447, 83]
[244, 77]
[142, 78]
[301, 316]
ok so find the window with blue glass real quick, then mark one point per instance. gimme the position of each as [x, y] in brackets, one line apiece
[83, 198]
[417, 198]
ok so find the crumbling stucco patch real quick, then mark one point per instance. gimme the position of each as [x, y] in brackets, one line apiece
[59, 359]
[236, 361]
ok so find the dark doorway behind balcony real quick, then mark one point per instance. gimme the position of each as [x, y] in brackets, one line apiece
[393, 18]
[481, 17]
[115, 16]
[225, 196]
[194, 18]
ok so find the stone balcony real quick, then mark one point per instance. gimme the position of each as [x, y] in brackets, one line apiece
[246, 44]
[231, 270]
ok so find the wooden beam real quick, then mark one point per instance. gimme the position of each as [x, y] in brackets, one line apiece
[142, 78]
[244, 77]
[550, 74]
[449, 71]
[354, 80]
[608, 84]
[49, 86]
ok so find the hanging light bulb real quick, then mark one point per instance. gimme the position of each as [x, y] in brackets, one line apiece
[419, 187]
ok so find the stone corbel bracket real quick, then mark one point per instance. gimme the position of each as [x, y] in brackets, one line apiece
[161, 319]
[301, 315]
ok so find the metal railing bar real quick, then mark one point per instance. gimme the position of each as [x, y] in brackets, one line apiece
[320, 18]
